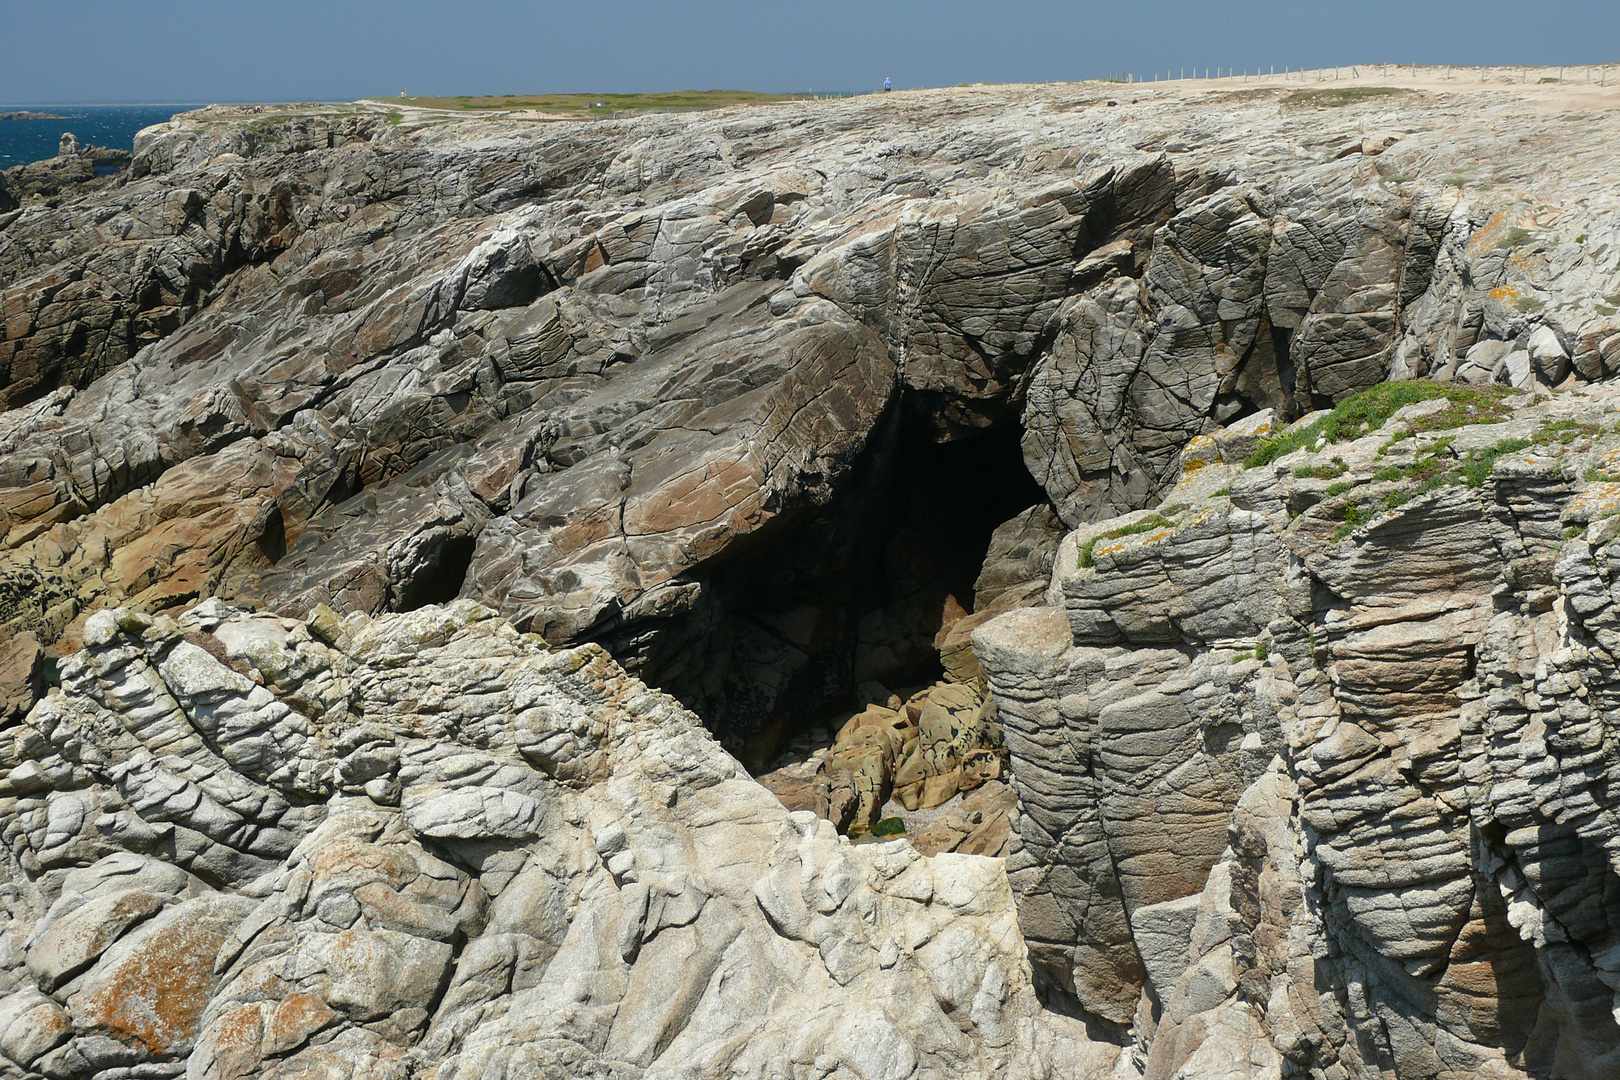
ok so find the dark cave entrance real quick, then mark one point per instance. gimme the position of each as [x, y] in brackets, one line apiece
[784, 633]
[440, 577]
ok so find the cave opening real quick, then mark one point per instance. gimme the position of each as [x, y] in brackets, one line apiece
[782, 636]
[441, 575]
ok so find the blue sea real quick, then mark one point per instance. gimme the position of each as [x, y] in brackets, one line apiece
[103, 125]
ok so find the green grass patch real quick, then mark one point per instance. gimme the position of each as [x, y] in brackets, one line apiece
[1338, 98]
[1319, 653]
[1436, 471]
[1354, 517]
[889, 826]
[1367, 411]
[1420, 469]
[1330, 471]
[1469, 405]
[1259, 652]
[602, 104]
[1335, 490]
[1476, 467]
[268, 128]
[1147, 524]
[1398, 437]
[1567, 431]
[1515, 237]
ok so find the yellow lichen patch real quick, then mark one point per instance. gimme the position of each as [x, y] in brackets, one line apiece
[153, 997]
[1608, 461]
[1598, 500]
[1138, 540]
[294, 1020]
[1200, 450]
[235, 1040]
[362, 859]
[1488, 234]
[1505, 294]
[1528, 262]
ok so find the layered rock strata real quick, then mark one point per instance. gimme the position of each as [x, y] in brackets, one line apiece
[661, 383]
[428, 845]
[1310, 757]
[1315, 761]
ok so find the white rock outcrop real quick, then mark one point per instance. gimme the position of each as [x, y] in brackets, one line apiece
[1315, 761]
[428, 845]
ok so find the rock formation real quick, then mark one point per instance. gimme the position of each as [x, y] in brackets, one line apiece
[1315, 757]
[411, 527]
[72, 173]
[426, 844]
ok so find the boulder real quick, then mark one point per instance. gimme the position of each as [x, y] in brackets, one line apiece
[1548, 356]
[149, 991]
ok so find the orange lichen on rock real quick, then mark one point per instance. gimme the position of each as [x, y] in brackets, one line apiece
[1486, 236]
[150, 991]
[295, 1019]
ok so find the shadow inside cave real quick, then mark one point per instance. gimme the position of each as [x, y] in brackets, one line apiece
[794, 619]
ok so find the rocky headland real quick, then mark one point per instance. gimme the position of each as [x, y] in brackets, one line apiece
[72, 173]
[1068, 581]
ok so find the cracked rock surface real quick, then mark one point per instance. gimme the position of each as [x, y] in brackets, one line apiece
[657, 383]
[1316, 761]
[427, 845]
[411, 524]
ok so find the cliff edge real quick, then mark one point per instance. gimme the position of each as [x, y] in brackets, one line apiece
[409, 521]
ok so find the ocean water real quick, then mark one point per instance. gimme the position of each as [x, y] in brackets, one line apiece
[104, 125]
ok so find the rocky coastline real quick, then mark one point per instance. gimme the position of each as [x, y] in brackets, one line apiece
[1059, 581]
[74, 171]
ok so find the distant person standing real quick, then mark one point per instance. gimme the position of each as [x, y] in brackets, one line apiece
[887, 85]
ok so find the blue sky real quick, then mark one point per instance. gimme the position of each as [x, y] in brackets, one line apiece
[277, 50]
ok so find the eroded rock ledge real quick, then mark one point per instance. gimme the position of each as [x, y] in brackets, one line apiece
[665, 383]
[428, 845]
[1316, 760]
[1311, 757]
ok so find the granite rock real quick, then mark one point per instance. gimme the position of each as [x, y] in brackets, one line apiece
[428, 843]
[616, 380]
[1296, 753]
[340, 448]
